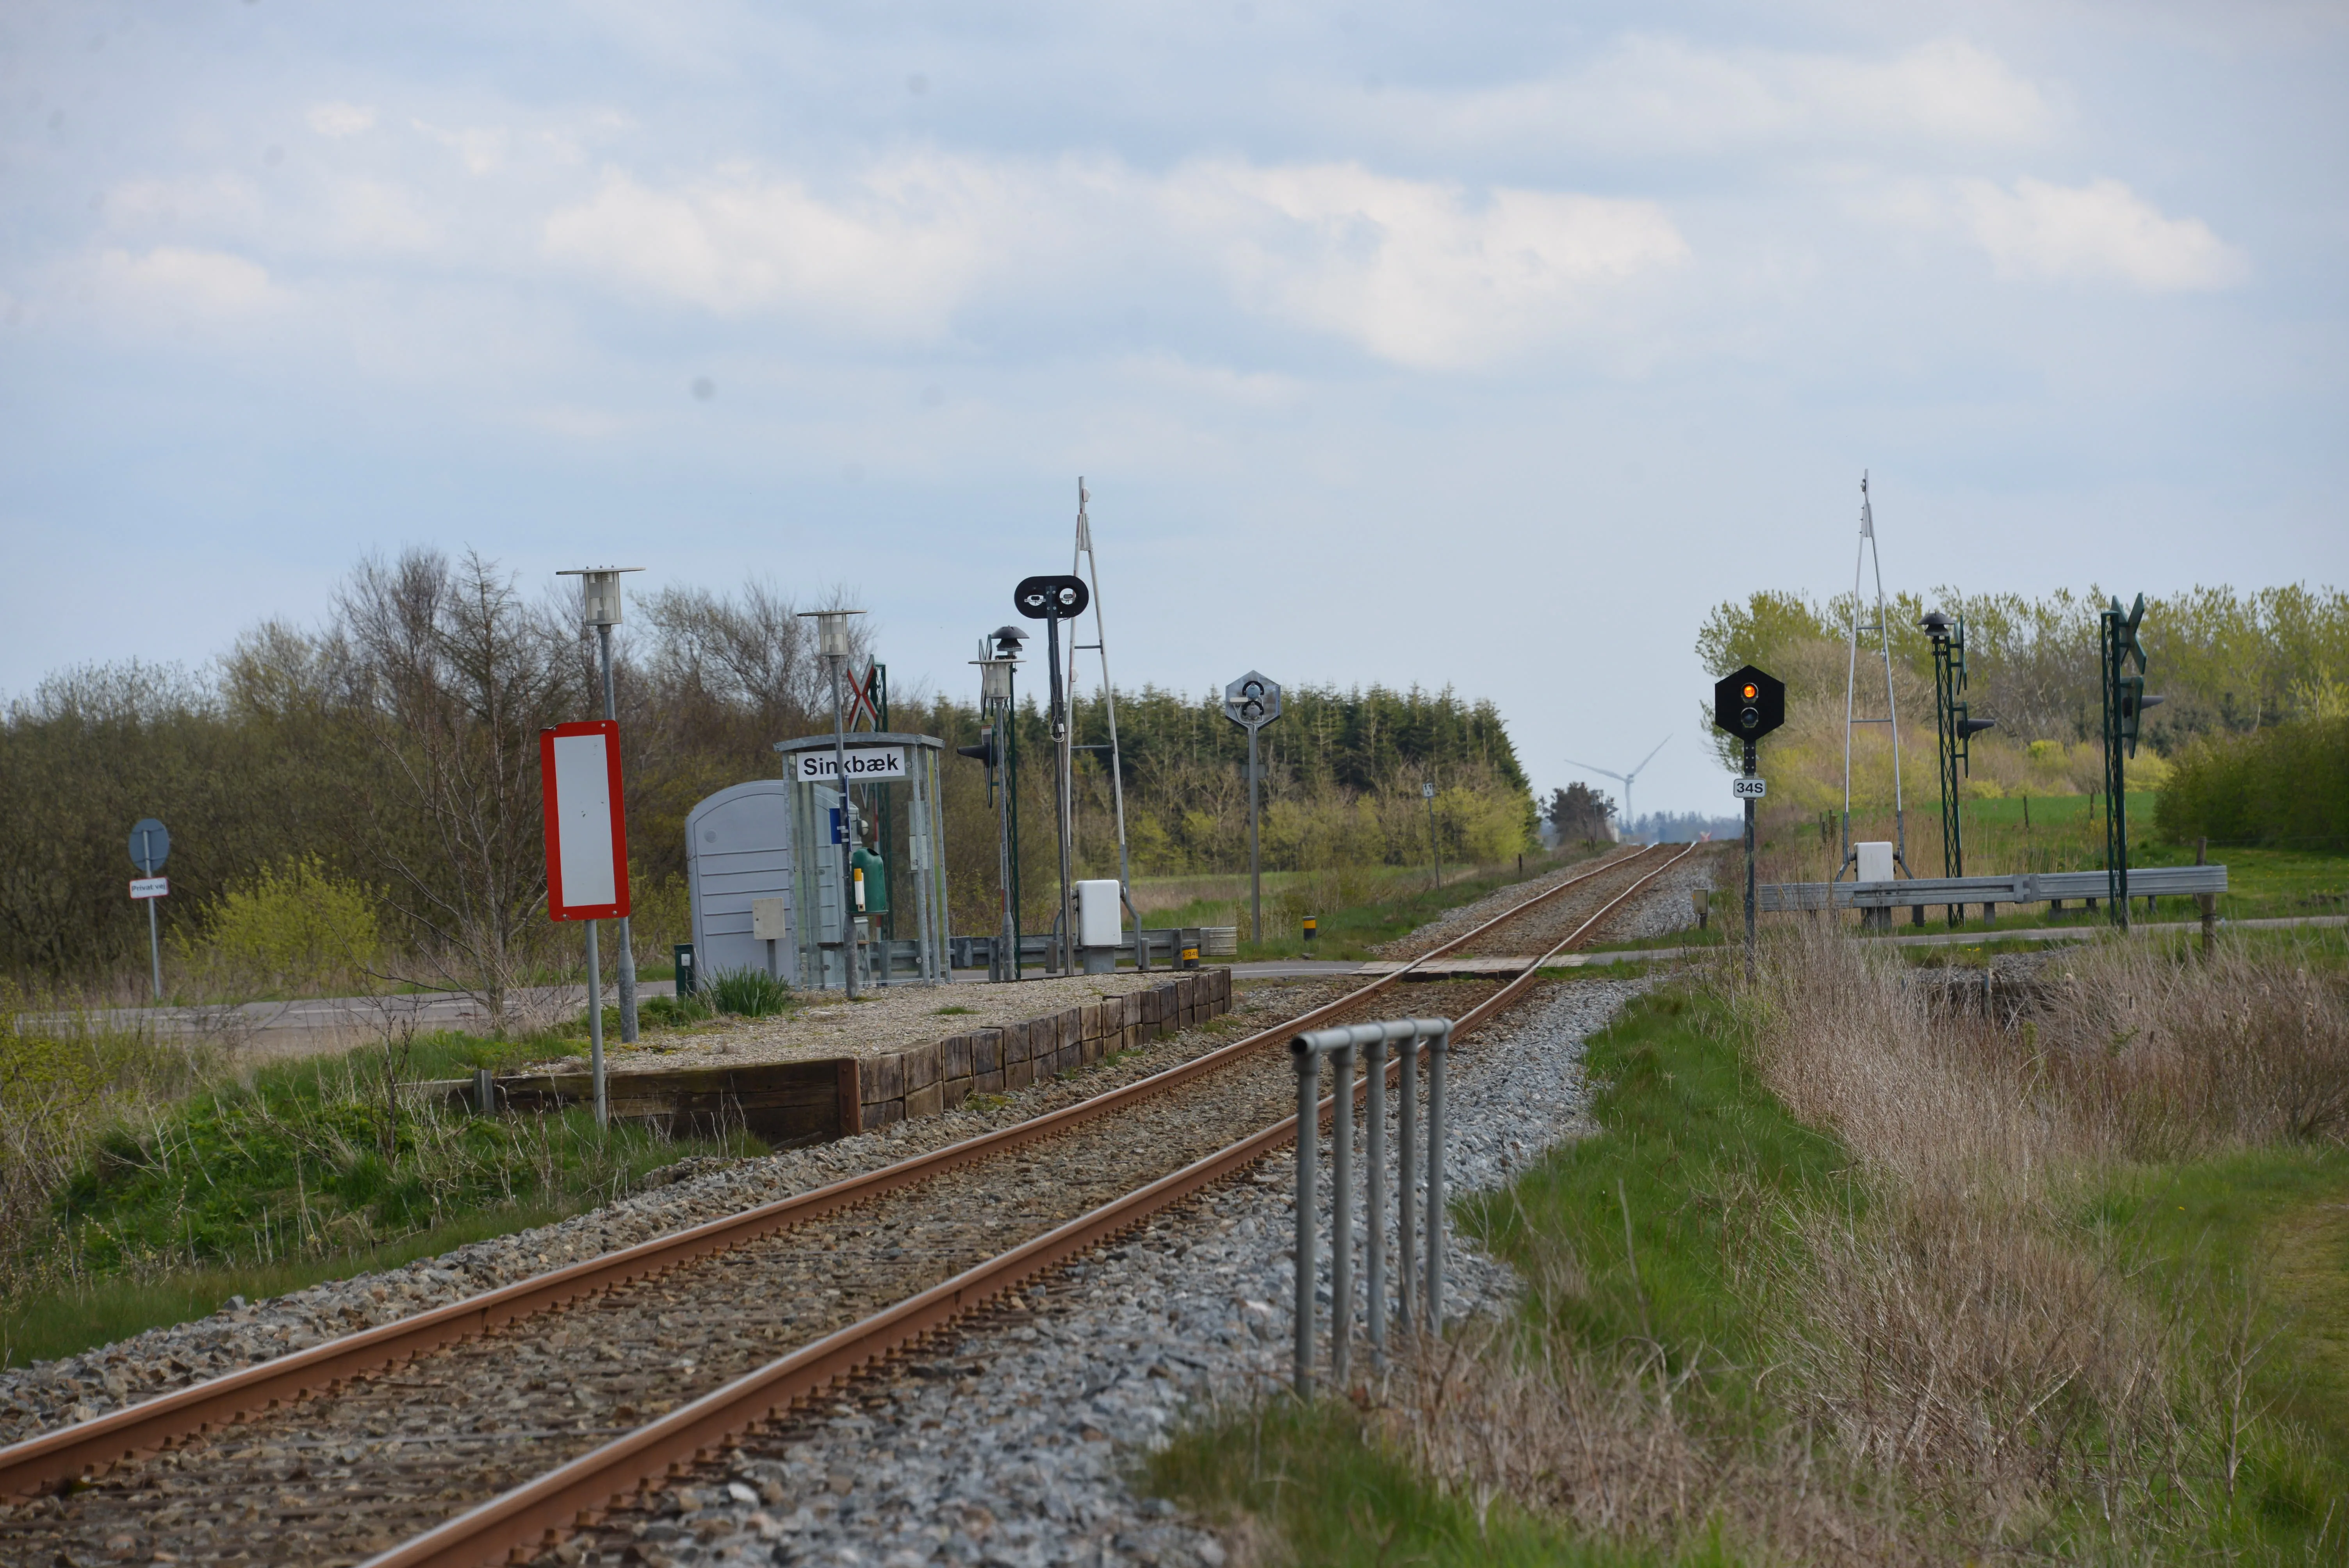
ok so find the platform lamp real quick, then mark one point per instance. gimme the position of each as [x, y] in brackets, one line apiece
[599, 599]
[836, 642]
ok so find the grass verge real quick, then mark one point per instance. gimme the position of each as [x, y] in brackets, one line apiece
[168, 1204]
[1850, 1275]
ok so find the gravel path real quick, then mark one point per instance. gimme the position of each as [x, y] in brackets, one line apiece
[1013, 1441]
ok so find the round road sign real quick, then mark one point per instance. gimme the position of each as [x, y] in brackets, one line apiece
[151, 845]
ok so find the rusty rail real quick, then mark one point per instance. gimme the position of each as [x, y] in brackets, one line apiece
[580, 1492]
[88, 1448]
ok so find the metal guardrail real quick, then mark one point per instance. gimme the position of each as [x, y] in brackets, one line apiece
[1166, 945]
[2022, 887]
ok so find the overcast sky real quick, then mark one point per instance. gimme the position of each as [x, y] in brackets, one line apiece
[1405, 343]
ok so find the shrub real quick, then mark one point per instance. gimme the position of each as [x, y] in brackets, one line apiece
[296, 925]
[747, 993]
[2284, 785]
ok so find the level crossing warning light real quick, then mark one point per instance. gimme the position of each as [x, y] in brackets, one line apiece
[1749, 704]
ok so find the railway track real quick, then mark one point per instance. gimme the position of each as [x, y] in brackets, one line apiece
[465, 1433]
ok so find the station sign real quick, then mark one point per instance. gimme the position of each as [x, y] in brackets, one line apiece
[866, 765]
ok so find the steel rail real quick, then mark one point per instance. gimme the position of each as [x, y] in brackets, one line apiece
[1502, 998]
[579, 1493]
[91, 1447]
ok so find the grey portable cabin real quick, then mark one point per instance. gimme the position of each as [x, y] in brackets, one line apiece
[737, 852]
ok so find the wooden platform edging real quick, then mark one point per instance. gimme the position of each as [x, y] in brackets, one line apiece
[940, 1076]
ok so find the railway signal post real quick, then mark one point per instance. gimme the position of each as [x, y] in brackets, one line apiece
[2125, 706]
[1956, 732]
[1252, 702]
[1053, 599]
[1749, 704]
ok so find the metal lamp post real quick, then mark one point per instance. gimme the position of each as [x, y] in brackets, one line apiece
[1434, 848]
[599, 596]
[834, 641]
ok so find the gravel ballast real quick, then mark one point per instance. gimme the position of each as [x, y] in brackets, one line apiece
[1014, 1442]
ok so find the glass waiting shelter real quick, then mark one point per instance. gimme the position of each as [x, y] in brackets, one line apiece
[903, 941]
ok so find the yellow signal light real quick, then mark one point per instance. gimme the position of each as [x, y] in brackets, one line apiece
[1752, 691]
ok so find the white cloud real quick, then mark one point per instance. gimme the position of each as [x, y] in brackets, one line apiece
[1418, 272]
[2101, 229]
[179, 283]
[1661, 95]
[481, 147]
[341, 119]
[895, 255]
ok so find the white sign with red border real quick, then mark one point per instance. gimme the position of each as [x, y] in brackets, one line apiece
[586, 832]
[150, 887]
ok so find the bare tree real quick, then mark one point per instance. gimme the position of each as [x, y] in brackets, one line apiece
[460, 677]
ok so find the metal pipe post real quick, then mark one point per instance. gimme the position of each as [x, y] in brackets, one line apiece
[1341, 1218]
[595, 1024]
[1064, 930]
[1406, 1178]
[1007, 940]
[1308, 1155]
[1439, 1045]
[847, 839]
[1752, 763]
[1374, 1189]
[627, 956]
[1255, 870]
[155, 946]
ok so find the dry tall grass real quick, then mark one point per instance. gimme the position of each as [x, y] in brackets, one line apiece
[1957, 1366]
[1955, 1330]
[1622, 1450]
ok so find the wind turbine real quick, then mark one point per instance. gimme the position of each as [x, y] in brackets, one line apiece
[1624, 779]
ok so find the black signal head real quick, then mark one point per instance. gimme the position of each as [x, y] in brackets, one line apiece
[1749, 704]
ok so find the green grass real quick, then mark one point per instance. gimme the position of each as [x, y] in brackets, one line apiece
[1337, 1498]
[1695, 1163]
[45, 1324]
[304, 1172]
[2259, 1236]
[1653, 1206]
